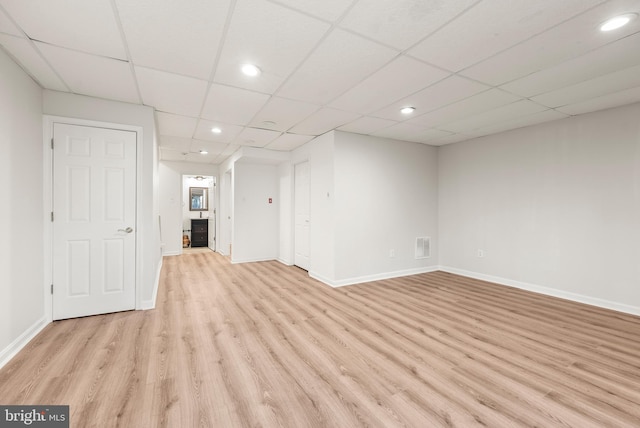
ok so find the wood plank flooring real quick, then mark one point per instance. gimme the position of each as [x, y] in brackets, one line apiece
[263, 345]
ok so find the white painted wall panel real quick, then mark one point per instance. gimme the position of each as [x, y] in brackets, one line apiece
[256, 220]
[554, 205]
[385, 197]
[21, 255]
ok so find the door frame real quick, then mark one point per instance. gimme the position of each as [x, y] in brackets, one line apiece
[47, 187]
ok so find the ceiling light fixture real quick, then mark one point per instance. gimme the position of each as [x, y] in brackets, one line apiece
[203, 152]
[216, 130]
[250, 70]
[617, 21]
[407, 110]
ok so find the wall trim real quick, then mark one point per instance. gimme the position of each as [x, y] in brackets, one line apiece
[548, 291]
[266, 259]
[21, 341]
[285, 262]
[371, 278]
[171, 253]
[151, 304]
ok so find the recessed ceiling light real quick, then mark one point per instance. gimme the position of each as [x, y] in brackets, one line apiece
[203, 152]
[216, 130]
[250, 70]
[407, 110]
[617, 21]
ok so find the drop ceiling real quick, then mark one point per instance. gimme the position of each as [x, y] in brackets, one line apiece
[469, 67]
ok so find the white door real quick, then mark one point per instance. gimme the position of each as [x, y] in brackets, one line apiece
[94, 206]
[301, 209]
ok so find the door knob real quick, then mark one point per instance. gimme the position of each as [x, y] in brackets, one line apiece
[128, 230]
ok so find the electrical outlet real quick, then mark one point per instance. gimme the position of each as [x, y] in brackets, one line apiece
[392, 253]
[480, 253]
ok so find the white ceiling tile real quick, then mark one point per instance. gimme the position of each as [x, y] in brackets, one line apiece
[401, 23]
[325, 9]
[469, 106]
[528, 120]
[627, 96]
[168, 154]
[212, 148]
[175, 143]
[274, 38]
[175, 125]
[284, 113]
[200, 158]
[401, 77]
[323, 120]
[367, 125]
[92, 75]
[620, 54]
[256, 137]
[408, 132]
[594, 88]
[447, 91]
[232, 105]
[88, 26]
[287, 142]
[181, 37]
[231, 149]
[32, 62]
[491, 26]
[228, 134]
[7, 27]
[171, 93]
[449, 139]
[341, 61]
[569, 40]
[496, 115]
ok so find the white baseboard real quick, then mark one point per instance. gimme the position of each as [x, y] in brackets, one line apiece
[267, 259]
[375, 277]
[171, 253]
[21, 341]
[285, 262]
[151, 304]
[554, 292]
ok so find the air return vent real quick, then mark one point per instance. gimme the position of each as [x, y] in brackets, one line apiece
[423, 247]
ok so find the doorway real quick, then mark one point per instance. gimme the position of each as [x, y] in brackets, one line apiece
[94, 182]
[202, 209]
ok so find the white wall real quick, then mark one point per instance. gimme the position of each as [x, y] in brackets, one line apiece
[370, 198]
[82, 107]
[171, 200]
[256, 221]
[554, 207]
[21, 211]
[386, 195]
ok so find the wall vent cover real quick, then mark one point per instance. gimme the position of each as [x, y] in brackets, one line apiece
[423, 247]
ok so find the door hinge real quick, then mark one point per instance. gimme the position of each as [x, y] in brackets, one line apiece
[51, 288]
[51, 215]
[52, 144]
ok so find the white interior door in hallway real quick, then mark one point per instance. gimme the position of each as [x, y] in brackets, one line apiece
[301, 209]
[94, 213]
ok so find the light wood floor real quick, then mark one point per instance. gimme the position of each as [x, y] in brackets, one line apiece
[262, 345]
